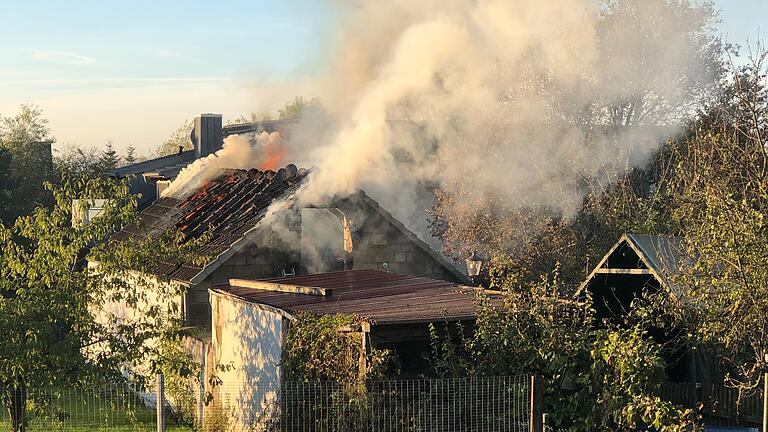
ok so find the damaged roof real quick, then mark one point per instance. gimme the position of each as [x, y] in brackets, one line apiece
[379, 298]
[231, 205]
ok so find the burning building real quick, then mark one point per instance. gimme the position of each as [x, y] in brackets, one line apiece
[257, 230]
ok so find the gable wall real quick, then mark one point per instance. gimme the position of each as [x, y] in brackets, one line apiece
[376, 242]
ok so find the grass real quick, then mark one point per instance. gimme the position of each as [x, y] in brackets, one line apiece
[69, 410]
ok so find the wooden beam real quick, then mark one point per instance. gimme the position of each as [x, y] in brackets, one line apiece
[280, 287]
[624, 271]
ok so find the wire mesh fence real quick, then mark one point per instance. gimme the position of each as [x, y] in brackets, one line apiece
[486, 404]
[115, 408]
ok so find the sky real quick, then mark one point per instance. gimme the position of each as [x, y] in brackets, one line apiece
[132, 72]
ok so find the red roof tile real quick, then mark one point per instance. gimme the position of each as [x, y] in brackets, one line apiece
[230, 205]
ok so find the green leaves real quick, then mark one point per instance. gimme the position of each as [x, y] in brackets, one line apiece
[65, 322]
[329, 348]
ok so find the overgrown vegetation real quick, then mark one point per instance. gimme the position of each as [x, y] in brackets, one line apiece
[598, 378]
[330, 348]
[710, 186]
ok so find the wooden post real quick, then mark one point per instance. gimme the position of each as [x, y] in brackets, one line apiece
[160, 403]
[536, 421]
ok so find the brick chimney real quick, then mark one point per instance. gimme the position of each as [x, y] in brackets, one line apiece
[207, 134]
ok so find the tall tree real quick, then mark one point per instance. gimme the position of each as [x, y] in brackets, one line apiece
[180, 138]
[722, 189]
[78, 162]
[5, 185]
[66, 325]
[109, 158]
[130, 155]
[27, 139]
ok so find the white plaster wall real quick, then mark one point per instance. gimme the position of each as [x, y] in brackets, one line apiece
[248, 341]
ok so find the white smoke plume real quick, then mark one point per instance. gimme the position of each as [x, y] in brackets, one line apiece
[238, 152]
[528, 102]
[517, 99]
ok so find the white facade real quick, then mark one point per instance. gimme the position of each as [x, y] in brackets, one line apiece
[247, 344]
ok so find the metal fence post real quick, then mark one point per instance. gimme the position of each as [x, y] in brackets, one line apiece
[765, 397]
[160, 403]
[536, 422]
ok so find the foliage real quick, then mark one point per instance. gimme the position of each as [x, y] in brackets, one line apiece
[74, 162]
[109, 159]
[6, 183]
[182, 378]
[722, 187]
[254, 117]
[27, 139]
[180, 138]
[68, 324]
[597, 377]
[78, 162]
[628, 370]
[130, 155]
[299, 108]
[329, 348]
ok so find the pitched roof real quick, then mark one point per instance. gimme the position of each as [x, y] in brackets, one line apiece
[661, 255]
[378, 297]
[232, 205]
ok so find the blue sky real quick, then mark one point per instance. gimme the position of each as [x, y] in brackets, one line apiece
[133, 71]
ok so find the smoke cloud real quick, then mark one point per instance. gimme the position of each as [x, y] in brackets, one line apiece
[263, 150]
[528, 103]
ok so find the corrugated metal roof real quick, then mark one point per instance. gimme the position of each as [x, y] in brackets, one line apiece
[664, 255]
[380, 298]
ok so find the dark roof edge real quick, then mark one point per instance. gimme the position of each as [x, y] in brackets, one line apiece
[414, 238]
[229, 295]
[152, 164]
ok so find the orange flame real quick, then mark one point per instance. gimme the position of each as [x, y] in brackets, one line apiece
[274, 155]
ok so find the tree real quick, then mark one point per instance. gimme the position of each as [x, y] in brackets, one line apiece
[686, 31]
[5, 184]
[78, 162]
[298, 108]
[109, 159]
[27, 139]
[130, 155]
[180, 138]
[67, 325]
[252, 118]
[722, 204]
[597, 378]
